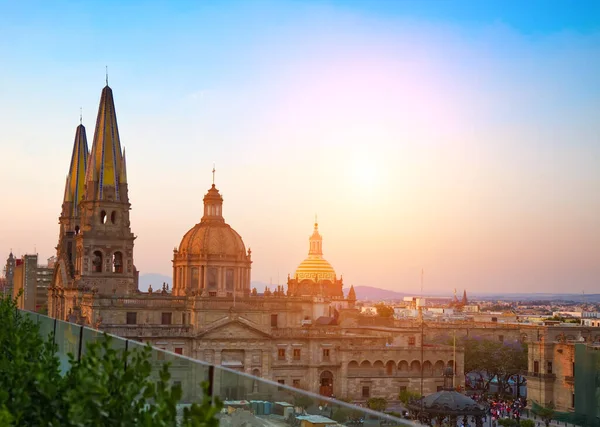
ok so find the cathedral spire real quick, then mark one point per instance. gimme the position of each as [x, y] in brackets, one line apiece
[316, 241]
[123, 175]
[106, 162]
[75, 184]
[352, 294]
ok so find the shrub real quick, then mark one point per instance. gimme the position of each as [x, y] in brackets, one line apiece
[377, 403]
[106, 387]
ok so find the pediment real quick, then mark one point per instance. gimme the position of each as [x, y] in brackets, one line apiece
[235, 329]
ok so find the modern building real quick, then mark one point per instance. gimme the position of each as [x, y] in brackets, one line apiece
[306, 337]
[31, 280]
[44, 275]
[25, 282]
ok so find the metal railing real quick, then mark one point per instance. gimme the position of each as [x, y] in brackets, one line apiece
[245, 396]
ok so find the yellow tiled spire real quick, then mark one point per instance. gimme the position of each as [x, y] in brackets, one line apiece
[123, 174]
[75, 185]
[106, 162]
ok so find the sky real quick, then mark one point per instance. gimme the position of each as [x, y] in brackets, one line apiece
[461, 138]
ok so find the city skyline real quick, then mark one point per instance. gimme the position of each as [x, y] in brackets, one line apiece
[466, 146]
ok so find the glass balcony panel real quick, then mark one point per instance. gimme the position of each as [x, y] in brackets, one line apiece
[67, 341]
[46, 326]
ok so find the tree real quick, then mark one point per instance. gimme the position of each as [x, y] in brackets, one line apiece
[384, 310]
[106, 387]
[527, 423]
[494, 359]
[302, 401]
[377, 404]
[545, 413]
[406, 396]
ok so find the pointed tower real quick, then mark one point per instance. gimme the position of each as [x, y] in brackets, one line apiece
[351, 296]
[104, 245]
[465, 301]
[75, 183]
[106, 178]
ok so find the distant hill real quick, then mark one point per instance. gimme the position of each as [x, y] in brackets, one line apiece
[156, 280]
[372, 293]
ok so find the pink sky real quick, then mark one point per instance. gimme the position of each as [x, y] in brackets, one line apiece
[470, 153]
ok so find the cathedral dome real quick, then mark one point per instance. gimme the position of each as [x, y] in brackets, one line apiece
[212, 237]
[315, 267]
[211, 260]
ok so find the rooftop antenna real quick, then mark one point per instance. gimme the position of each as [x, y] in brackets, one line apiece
[213, 172]
[420, 308]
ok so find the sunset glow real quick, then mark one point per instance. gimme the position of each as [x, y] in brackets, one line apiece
[466, 146]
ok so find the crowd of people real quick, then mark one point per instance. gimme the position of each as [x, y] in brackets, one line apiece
[501, 407]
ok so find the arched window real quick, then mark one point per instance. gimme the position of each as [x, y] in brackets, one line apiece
[76, 229]
[427, 368]
[438, 368]
[103, 217]
[97, 262]
[117, 262]
[113, 217]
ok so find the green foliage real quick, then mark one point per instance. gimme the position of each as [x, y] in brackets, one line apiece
[303, 401]
[545, 413]
[377, 404]
[499, 360]
[405, 396]
[508, 422]
[384, 310]
[107, 387]
[527, 423]
[340, 415]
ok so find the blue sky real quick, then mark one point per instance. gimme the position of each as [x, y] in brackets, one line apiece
[459, 137]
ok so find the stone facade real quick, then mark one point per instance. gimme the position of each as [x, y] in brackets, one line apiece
[306, 337]
[551, 364]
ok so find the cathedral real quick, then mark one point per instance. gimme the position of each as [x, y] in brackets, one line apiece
[307, 336]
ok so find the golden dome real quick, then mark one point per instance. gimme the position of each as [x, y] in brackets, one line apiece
[315, 267]
[212, 237]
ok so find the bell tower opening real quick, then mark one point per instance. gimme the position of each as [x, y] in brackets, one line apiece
[117, 262]
[97, 262]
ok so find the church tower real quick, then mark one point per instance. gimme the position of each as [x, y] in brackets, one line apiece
[104, 246]
[95, 247]
[69, 219]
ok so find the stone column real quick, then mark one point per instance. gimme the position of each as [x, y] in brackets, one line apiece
[175, 287]
[343, 379]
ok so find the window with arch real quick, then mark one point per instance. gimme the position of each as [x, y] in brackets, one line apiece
[117, 262]
[97, 262]
[113, 217]
[103, 217]
[76, 229]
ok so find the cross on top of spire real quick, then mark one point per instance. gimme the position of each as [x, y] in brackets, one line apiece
[213, 173]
